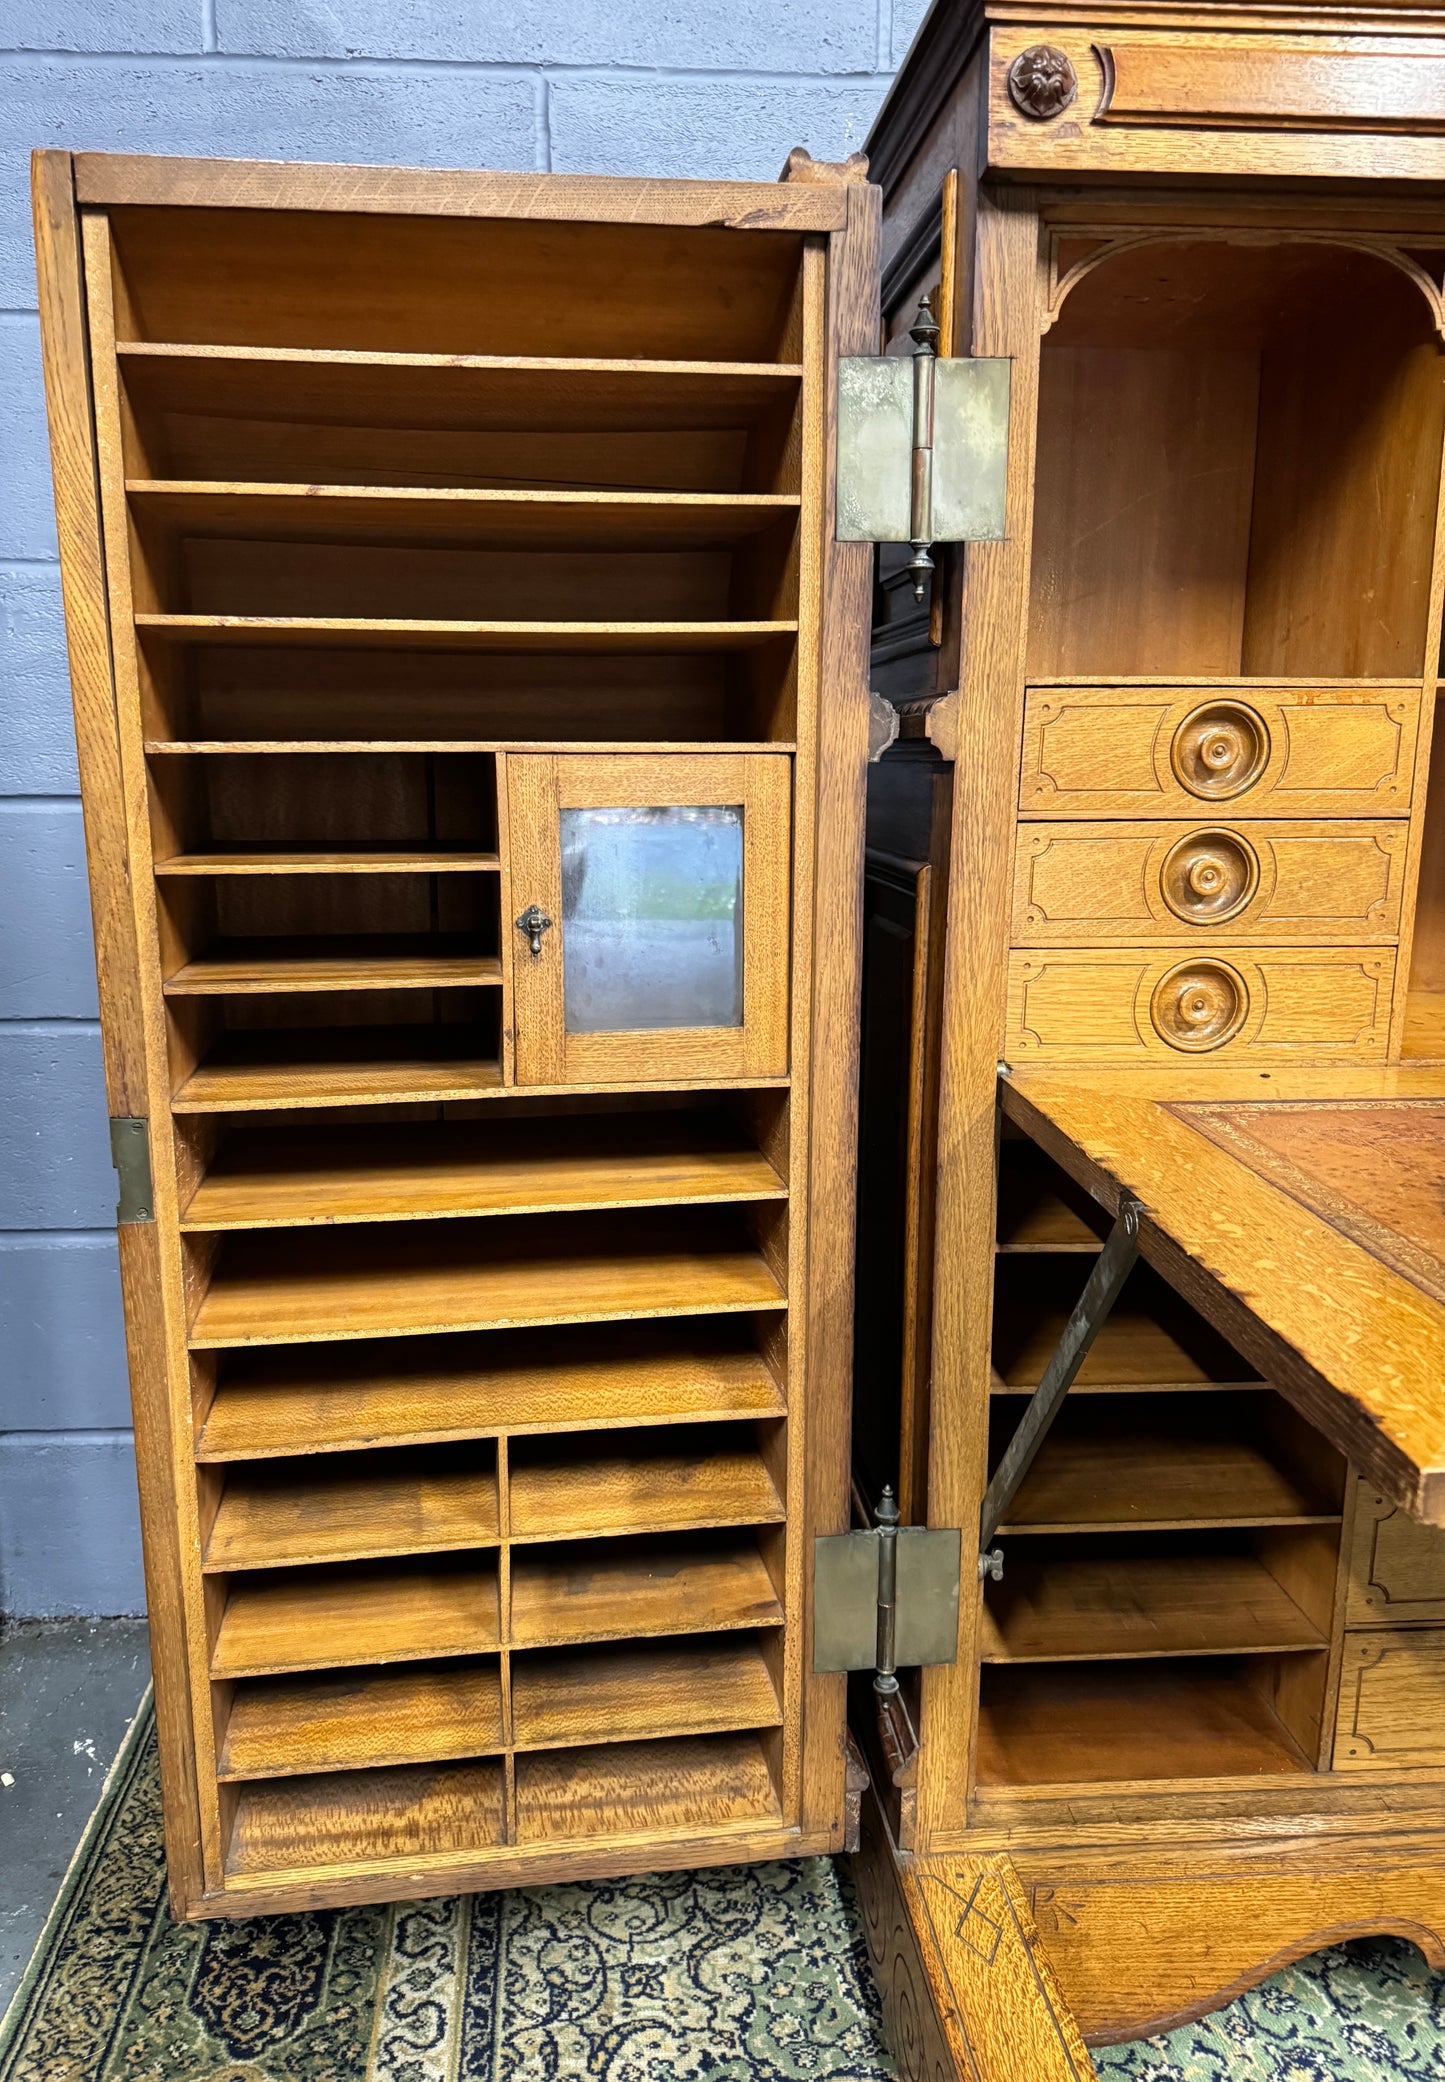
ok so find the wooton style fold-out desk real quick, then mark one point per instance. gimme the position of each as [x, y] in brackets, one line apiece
[1153, 1054]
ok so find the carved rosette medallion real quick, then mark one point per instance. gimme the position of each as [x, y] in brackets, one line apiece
[1042, 82]
[1220, 749]
[1208, 876]
[1199, 1005]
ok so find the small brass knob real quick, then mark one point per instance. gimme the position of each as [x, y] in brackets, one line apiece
[1208, 876]
[1219, 750]
[1199, 1005]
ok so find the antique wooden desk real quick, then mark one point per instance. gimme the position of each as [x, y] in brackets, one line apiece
[1155, 921]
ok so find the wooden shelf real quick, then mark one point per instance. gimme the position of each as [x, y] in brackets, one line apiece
[1087, 1608]
[712, 1782]
[1091, 1723]
[1143, 1476]
[374, 860]
[249, 1070]
[321, 1401]
[1040, 1209]
[352, 1509]
[1424, 1038]
[577, 638]
[611, 1593]
[290, 747]
[429, 1169]
[305, 1619]
[277, 1289]
[426, 516]
[1152, 1339]
[282, 1727]
[398, 961]
[635, 1694]
[573, 1490]
[466, 393]
[365, 1818]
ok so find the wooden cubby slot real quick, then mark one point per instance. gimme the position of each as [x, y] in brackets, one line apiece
[1221, 425]
[498, 1436]
[1167, 1599]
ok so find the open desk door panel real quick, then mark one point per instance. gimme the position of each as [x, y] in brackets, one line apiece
[471, 705]
[1155, 934]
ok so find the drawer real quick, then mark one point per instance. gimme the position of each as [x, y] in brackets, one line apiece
[1084, 883]
[1392, 1701]
[1180, 751]
[1397, 1565]
[1070, 99]
[1072, 1004]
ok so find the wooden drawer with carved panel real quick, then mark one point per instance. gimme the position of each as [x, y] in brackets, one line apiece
[1391, 1713]
[1397, 1565]
[1274, 881]
[1078, 97]
[1184, 751]
[1075, 1004]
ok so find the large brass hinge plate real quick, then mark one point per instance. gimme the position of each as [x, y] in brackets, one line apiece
[130, 1152]
[850, 1593]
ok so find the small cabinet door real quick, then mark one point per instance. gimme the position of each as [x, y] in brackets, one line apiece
[650, 898]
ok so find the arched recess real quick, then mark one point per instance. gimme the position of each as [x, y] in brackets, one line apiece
[1239, 460]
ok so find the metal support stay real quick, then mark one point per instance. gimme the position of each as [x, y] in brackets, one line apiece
[1101, 1291]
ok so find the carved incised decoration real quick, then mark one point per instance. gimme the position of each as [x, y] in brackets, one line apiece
[1042, 82]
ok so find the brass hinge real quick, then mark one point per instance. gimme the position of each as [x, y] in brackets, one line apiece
[130, 1152]
[886, 1598]
[922, 448]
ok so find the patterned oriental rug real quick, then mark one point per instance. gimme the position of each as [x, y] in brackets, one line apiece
[746, 1974]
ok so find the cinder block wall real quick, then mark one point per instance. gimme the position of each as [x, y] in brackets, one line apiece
[685, 87]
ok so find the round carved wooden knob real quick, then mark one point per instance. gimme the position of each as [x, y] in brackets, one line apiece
[1042, 82]
[1199, 1005]
[1208, 876]
[1220, 749]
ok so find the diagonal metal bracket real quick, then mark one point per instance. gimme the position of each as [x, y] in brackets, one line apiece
[1111, 1268]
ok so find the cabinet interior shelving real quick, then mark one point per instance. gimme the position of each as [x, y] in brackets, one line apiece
[465, 568]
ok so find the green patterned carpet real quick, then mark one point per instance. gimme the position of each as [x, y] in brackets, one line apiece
[747, 1974]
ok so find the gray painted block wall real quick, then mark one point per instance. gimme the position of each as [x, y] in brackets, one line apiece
[693, 88]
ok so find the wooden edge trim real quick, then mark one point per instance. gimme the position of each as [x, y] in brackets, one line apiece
[264, 184]
[65, 358]
[1328, 1408]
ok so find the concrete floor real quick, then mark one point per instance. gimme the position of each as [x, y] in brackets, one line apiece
[68, 1692]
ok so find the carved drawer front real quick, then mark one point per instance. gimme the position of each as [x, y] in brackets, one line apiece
[1397, 1565]
[1266, 881]
[1392, 1701]
[1071, 1004]
[1201, 752]
[1068, 99]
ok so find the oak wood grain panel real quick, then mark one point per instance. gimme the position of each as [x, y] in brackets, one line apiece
[1358, 1348]
[611, 1592]
[652, 1787]
[1078, 1006]
[365, 1817]
[638, 1693]
[1396, 1565]
[1087, 883]
[577, 638]
[307, 1619]
[1104, 750]
[1392, 1701]
[320, 1401]
[282, 1177]
[643, 1485]
[351, 1508]
[285, 1727]
[383, 1282]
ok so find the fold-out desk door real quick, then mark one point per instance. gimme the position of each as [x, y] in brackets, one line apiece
[1303, 1214]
